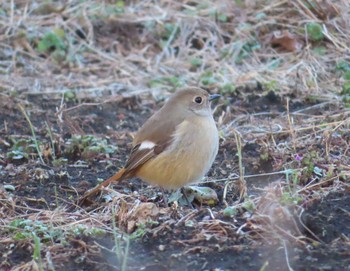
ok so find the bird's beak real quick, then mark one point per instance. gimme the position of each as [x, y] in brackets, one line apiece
[214, 97]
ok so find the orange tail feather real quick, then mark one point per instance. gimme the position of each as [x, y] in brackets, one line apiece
[93, 192]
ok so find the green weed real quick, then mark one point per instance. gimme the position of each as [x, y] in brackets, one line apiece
[230, 211]
[70, 96]
[208, 78]
[314, 31]
[342, 66]
[196, 62]
[23, 229]
[271, 85]
[21, 148]
[54, 43]
[27, 228]
[37, 252]
[227, 88]
[172, 82]
[82, 230]
[249, 205]
[59, 162]
[288, 198]
[116, 8]
[88, 146]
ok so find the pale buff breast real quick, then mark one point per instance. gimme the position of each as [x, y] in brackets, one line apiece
[188, 158]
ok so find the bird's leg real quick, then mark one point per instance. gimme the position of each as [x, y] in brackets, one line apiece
[165, 198]
[183, 191]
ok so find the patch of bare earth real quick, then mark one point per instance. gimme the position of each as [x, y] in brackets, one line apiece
[78, 78]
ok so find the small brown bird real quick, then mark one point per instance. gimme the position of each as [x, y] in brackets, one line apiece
[174, 147]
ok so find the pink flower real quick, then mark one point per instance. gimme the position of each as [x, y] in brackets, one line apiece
[298, 157]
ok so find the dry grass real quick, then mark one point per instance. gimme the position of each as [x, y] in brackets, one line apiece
[159, 46]
[124, 51]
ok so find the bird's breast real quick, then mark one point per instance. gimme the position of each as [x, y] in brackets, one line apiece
[188, 158]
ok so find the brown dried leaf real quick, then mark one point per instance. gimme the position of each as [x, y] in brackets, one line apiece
[286, 40]
[144, 212]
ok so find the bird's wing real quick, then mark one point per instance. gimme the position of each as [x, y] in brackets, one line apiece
[140, 155]
[153, 138]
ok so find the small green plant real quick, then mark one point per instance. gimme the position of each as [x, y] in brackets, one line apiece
[87, 231]
[288, 198]
[249, 206]
[52, 41]
[292, 178]
[342, 66]
[88, 146]
[346, 75]
[230, 211]
[271, 85]
[60, 162]
[346, 100]
[209, 78]
[102, 10]
[54, 44]
[70, 96]
[222, 17]
[139, 232]
[346, 85]
[219, 16]
[36, 252]
[227, 88]
[309, 168]
[173, 82]
[117, 8]
[21, 148]
[168, 30]
[196, 62]
[314, 31]
[27, 228]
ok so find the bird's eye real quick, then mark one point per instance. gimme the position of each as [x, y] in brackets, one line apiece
[198, 100]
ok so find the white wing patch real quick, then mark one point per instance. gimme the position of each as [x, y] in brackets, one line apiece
[146, 145]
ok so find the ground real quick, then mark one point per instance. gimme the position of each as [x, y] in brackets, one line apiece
[79, 78]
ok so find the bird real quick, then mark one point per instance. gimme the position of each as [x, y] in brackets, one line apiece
[175, 147]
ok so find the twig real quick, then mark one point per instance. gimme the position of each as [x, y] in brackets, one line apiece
[36, 143]
[287, 257]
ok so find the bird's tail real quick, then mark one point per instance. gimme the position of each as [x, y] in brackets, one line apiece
[84, 200]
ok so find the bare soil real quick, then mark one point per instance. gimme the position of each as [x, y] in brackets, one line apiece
[173, 243]
[78, 78]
